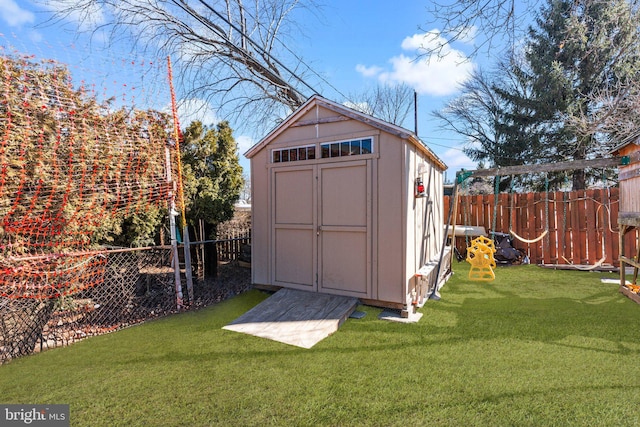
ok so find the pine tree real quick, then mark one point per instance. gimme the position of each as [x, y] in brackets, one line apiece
[73, 171]
[212, 175]
[578, 51]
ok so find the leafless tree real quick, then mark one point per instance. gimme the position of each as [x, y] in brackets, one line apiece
[232, 53]
[495, 23]
[391, 103]
[245, 193]
[618, 114]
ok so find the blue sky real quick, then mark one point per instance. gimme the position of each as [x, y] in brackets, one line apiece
[352, 44]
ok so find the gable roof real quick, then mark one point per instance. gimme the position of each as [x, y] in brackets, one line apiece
[633, 138]
[317, 100]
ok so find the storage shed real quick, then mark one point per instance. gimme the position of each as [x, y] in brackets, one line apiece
[344, 203]
[629, 214]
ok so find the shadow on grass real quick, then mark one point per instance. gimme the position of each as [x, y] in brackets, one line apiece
[570, 309]
[561, 321]
[589, 316]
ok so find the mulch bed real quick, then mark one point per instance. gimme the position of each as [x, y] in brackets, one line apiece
[70, 326]
[232, 280]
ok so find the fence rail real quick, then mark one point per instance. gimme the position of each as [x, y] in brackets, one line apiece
[135, 285]
[581, 226]
[232, 249]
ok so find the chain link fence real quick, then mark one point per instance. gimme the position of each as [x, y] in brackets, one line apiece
[137, 285]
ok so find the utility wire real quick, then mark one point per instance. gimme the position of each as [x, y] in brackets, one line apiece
[442, 145]
[260, 49]
[288, 49]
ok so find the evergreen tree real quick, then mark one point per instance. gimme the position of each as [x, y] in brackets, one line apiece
[212, 175]
[74, 171]
[570, 95]
[578, 51]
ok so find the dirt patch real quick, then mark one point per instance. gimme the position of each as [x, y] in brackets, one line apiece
[232, 280]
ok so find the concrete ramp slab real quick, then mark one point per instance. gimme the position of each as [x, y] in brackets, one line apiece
[294, 317]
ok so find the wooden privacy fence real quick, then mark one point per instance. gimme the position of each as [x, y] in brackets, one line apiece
[230, 249]
[582, 226]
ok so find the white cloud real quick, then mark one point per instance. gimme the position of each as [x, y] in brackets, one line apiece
[14, 15]
[368, 71]
[468, 35]
[456, 160]
[193, 109]
[244, 143]
[429, 74]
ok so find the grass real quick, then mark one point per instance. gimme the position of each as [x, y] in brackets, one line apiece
[535, 347]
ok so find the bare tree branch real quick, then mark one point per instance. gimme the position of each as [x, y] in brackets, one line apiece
[227, 52]
[389, 103]
[499, 23]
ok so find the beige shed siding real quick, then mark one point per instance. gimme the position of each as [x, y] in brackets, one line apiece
[396, 222]
[411, 205]
[260, 219]
[424, 228]
[298, 134]
[390, 220]
[630, 185]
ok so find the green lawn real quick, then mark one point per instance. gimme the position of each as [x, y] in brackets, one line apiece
[535, 347]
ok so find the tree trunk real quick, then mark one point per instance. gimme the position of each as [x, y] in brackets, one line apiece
[579, 175]
[579, 180]
[210, 252]
[22, 323]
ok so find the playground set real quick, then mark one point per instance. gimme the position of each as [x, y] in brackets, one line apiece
[579, 235]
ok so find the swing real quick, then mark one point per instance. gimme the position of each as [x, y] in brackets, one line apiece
[546, 231]
[601, 261]
[604, 254]
[480, 256]
[549, 234]
[528, 241]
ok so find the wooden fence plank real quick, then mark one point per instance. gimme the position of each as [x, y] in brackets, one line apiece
[581, 228]
[614, 207]
[553, 228]
[545, 222]
[578, 223]
[609, 235]
[566, 228]
[595, 216]
[231, 248]
[521, 220]
[540, 219]
[531, 225]
[574, 228]
[504, 213]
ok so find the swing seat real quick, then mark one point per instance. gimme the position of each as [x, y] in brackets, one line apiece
[480, 256]
[528, 241]
[478, 274]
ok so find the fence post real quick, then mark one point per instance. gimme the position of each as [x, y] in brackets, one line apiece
[172, 228]
[187, 263]
[201, 252]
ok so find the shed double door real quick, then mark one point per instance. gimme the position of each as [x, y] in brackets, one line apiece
[321, 227]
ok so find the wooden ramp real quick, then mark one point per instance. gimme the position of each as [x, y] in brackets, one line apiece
[295, 317]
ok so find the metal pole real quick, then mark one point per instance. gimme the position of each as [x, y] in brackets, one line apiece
[172, 227]
[453, 209]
